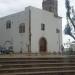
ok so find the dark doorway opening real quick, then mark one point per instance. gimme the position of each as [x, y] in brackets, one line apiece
[43, 45]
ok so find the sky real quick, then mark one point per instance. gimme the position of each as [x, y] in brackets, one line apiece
[8, 7]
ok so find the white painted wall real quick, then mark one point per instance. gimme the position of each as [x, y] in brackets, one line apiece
[19, 39]
[51, 23]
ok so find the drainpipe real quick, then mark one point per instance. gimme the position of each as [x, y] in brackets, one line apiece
[29, 31]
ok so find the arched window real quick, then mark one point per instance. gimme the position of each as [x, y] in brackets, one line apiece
[8, 24]
[22, 28]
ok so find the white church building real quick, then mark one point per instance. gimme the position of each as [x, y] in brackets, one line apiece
[32, 30]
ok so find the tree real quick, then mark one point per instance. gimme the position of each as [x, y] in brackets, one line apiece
[69, 19]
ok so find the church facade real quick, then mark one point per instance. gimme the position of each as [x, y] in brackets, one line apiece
[32, 30]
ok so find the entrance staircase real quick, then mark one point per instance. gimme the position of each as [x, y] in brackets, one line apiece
[37, 65]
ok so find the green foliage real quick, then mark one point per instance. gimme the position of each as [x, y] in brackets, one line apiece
[69, 52]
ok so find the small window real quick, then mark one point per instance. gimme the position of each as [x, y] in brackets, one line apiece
[22, 28]
[43, 27]
[8, 24]
[57, 30]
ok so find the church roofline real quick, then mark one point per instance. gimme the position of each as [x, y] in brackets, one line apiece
[30, 8]
[57, 16]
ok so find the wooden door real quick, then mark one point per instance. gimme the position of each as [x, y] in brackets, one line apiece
[43, 45]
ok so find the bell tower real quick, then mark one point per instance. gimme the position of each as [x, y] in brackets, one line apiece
[51, 6]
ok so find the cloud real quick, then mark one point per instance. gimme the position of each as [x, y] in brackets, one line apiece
[12, 6]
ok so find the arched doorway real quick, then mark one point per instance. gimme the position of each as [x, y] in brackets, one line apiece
[42, 45]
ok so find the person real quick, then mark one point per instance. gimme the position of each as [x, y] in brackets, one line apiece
[62, 49]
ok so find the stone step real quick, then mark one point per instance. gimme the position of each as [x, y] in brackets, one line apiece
[35, 65]
[47, 63]
[63, 63]
[13, 61]
[42, 72]
[33, 60]
[37, 58]
[37, 69]
[38, 65]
